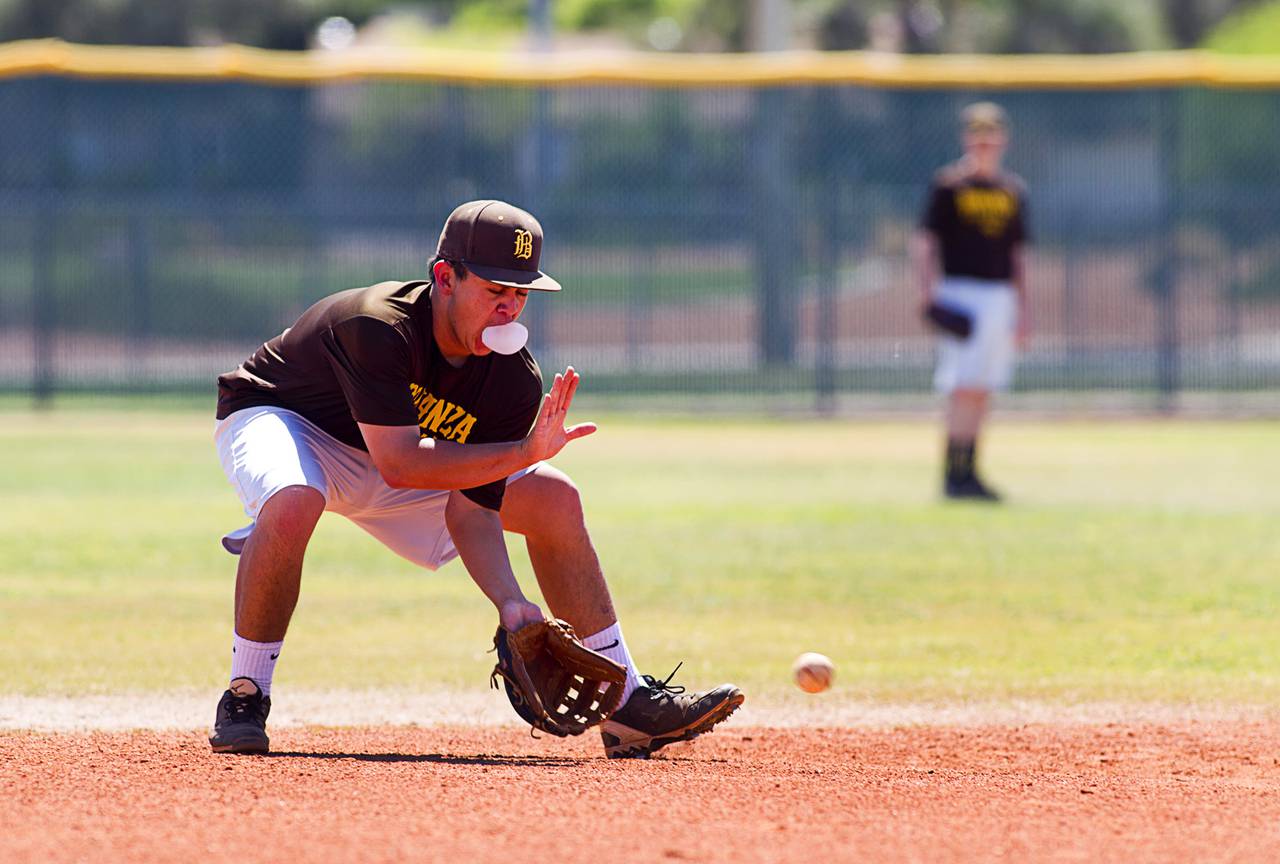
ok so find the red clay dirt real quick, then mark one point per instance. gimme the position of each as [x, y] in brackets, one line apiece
[1132, 793]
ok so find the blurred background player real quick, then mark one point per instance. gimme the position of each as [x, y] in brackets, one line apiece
[969, 258]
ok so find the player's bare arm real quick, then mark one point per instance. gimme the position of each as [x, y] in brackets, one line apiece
[477, 535]
[1018, 278]
[406, 460]
[924, 264]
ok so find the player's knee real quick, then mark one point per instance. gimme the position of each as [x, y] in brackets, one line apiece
[545, 504]
[558, 497]
[565, 498]
[294, 510]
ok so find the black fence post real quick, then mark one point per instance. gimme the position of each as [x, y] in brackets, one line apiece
[1072, 302]
[773, 228]
[1168, 353]
[534, 162]
[44, 247]
[639, 303]
[827, 329]
[43, 302]
[140, 288]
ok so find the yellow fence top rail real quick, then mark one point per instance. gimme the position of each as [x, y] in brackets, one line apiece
[234, 62]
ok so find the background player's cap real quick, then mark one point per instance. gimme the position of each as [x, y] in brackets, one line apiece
[497, 242]
[983, 116]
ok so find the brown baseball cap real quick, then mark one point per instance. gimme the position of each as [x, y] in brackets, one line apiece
[497, 242]
[981, 116]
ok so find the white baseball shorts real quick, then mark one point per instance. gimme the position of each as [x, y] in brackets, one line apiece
[984, 361]
[266, 449]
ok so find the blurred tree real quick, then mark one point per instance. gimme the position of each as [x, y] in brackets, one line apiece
[1079, 26]
[1190, 21]
[920, 22]
[842, 27]
[1248, 31]
[269, 23]
[283, 24]
[717, 25]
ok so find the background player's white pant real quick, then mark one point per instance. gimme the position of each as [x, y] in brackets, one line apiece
[984, 361]
[266, 449]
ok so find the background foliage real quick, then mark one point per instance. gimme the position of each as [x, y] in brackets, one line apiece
[1027, 26]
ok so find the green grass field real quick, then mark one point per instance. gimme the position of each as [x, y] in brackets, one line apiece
[1138, 561]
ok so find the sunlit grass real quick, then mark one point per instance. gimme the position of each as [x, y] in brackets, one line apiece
[1135, 561]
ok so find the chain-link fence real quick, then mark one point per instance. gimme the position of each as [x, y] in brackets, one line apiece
[714, 240]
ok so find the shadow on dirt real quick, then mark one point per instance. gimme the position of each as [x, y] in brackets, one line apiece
[442, 759]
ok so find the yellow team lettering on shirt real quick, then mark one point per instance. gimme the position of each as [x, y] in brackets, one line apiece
[439, 418]
[989, 209]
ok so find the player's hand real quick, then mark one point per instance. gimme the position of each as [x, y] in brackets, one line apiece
[514, 614]
[549, 435]
[1022, 335]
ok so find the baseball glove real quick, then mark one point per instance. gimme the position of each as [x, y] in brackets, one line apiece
[948, 320]
[554, 681]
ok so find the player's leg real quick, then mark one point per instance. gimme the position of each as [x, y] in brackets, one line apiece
[968, 371]
[967, 409]
[278, 464]
[268, 579]
[546, 508]
[269, 575]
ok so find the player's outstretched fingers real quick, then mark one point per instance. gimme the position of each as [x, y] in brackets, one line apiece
[574, 379]
[581, 430]
[570, 384]
[566, 389]
[545, 413]
[557, 386]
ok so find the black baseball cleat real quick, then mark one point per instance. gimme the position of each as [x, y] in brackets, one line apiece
[970, 489]
[658, 714]
[241, 723]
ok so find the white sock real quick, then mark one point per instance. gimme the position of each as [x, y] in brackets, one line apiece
[256, 660]
[610, 643]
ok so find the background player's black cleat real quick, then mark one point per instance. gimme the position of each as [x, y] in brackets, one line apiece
[241, 722]
[970, 488]
[658, 714]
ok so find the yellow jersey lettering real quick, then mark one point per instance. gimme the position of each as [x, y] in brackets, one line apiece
[435, 414]
[464, 429]
[439, 418]
[446, 431]
[989, 209]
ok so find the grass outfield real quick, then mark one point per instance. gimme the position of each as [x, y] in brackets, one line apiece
[1138, 562]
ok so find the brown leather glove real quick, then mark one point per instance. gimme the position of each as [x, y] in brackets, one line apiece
[553, 680]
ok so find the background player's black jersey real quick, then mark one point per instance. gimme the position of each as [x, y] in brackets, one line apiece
[978, 221]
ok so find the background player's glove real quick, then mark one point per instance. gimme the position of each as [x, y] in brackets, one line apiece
[553, 680]
[948, 320]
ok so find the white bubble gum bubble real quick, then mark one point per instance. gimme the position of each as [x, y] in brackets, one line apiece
[505, 338]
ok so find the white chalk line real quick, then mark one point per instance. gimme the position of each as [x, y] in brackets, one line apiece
[194, 710]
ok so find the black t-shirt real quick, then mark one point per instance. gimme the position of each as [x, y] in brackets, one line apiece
[978, 222]
[368, 356]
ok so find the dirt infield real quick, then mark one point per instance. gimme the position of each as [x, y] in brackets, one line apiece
[1109, 792]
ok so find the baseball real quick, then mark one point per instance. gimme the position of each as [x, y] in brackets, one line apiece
[813, 672]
